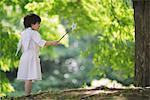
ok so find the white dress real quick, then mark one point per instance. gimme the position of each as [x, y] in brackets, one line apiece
[29, 66]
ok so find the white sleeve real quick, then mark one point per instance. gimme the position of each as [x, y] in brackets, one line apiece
[37, 38]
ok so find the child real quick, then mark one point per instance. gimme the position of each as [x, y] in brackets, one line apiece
[29, 66]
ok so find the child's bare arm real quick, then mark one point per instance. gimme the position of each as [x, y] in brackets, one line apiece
[51, 43]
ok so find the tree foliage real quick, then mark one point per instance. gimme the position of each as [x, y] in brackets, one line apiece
[114, 48]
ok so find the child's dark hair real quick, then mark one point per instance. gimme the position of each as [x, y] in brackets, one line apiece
[31, 19]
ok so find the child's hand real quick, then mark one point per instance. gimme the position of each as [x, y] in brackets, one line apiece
[51, 43]
[55, 43]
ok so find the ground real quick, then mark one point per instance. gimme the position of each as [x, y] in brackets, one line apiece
[99, 93]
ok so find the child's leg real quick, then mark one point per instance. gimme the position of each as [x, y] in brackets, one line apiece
[28, 87]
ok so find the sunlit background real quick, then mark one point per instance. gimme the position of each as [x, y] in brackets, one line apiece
[99, 52]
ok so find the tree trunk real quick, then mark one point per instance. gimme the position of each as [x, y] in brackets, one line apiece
[142, 42]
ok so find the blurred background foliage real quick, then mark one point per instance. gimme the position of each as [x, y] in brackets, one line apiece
[102, 46]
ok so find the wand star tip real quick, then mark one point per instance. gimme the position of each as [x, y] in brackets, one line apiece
[73, 26]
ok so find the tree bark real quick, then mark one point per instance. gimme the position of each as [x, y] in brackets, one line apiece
[142, 42]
